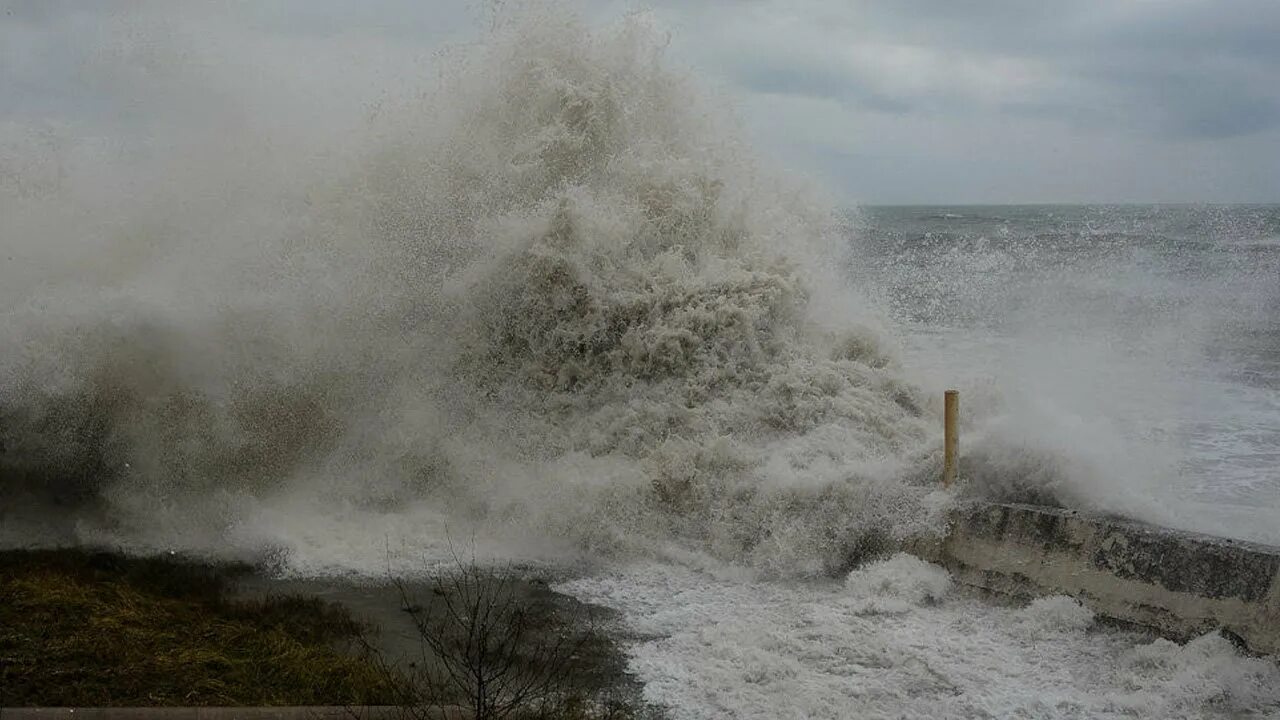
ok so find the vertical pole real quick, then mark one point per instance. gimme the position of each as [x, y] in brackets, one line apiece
[950, 437]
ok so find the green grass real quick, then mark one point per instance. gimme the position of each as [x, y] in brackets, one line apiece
[98, 629]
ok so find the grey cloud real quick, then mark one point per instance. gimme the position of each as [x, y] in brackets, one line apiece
[1198, 103]
[777, 78]
[411, 21]
[1180, 68]
[851, 88]
[40, 12]
[1194, 31]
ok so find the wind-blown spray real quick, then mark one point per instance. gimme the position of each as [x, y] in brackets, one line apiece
[559, 301]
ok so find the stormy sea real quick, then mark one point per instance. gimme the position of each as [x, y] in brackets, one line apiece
[558, 308]
[1141, 343]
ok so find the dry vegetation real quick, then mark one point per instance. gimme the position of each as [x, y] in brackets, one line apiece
[97, 629]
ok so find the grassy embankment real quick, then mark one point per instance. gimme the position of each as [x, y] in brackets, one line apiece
[97, 629]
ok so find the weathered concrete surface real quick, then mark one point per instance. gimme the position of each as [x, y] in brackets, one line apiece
[1178, 583]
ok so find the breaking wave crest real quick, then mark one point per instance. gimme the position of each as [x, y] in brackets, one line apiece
[558, 300]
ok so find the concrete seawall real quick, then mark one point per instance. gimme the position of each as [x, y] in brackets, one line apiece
[1177, 583]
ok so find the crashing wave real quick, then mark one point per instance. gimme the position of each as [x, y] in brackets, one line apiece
[561, 300]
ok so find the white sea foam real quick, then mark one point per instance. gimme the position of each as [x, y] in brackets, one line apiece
[898, 584]
[720, 647]
[1053, 614]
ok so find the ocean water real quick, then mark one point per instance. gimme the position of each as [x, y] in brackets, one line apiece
[1158, 323]
[555, 306]
[1161, 323]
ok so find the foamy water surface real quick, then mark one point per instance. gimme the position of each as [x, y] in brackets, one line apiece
[560, 310]
[1141, 341]
[894, 640]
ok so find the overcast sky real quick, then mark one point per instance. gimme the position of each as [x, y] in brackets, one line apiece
[903, 101]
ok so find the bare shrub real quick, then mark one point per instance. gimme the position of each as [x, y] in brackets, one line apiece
[494, 652]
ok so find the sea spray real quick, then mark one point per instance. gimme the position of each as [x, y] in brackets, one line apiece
[560, 300]
[1116, 359]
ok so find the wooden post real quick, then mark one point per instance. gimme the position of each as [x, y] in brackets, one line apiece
[950, 437]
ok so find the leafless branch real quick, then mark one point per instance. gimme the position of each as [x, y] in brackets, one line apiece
[482, 645]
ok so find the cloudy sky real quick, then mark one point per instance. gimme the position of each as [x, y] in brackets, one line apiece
[909, 101]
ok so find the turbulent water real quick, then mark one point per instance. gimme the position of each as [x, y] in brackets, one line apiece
[556, 303]
[895, 640]
[557, 309]
[1139, 345]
